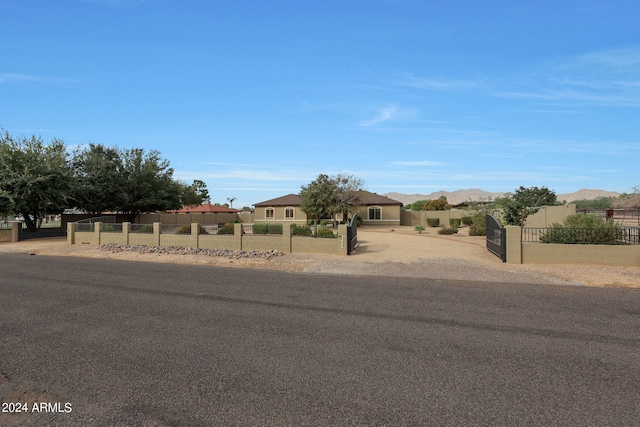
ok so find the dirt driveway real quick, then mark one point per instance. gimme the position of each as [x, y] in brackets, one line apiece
[398, 252]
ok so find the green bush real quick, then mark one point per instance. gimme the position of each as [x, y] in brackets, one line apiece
[147, 228]
[358, 221]
[419, 228]
[433, 222]
[583, 229]
[323, 222]
[260, 228]
[185, 229]
[447, 230]
[467, 220]
[226, 229]
[454, 222]
[202, 230]
[267, 228]
[479, 224]
[324, 232]
[107, 228]
[301, 230]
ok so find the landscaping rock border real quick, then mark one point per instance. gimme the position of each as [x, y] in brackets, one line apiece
[178, 250]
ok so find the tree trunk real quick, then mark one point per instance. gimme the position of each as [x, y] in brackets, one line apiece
[31, 224]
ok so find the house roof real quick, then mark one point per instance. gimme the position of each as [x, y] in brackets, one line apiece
[288, 200]
[366, 199]
[369, 199]
[206, 207]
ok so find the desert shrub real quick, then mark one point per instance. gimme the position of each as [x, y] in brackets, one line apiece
[433, 222]
[260, 228]
[324, 232]
[583, 229]
[323, 223]
[454, 222]
[358, 221]
[447, 230]
[479, 224]
[107, 228]
[185, 229]
[301, 230]
[147, 228]
[467, 220]
[226, 229]
[419, 228]
[274, 228]
[267, 228]
[202, 230]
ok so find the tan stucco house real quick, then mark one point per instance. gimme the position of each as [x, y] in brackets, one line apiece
[374, 210]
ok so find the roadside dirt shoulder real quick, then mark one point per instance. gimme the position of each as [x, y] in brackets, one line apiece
[398, 252]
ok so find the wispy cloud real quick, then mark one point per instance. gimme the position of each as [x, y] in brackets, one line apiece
[602, 78]
[389, 113]
[426, 83]
[26, 78]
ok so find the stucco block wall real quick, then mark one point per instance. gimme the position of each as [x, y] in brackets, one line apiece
[12, 234]
[265, 243]
[233, 243]
[420, 217]
[117, 238]
[143, 239]
[547, 215]
[87, 238]
[321, 246]
[618, 255]
[238, 241]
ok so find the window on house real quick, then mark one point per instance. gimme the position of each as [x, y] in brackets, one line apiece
[375, 212]
[288, 213]
[269, 213]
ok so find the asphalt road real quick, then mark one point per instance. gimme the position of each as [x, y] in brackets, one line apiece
[103, 342]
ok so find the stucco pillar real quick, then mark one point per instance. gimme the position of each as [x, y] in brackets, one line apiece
[514, 244]
[126, 228]
[237, 234]
[16, 226]
[286, 235]
[156, 233]
[71, 233]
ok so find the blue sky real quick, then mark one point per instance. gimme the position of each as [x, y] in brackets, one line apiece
[257, 98]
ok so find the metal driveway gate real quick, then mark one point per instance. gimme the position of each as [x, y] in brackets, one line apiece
[496, 238]
[352, 235]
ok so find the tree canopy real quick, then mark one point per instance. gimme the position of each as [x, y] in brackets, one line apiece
[99, 173]
[328, 195]
[194, 194]
[148, 183]
[38, 179]
[524, 202]
[35, 178]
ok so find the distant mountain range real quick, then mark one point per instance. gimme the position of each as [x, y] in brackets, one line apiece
[476, 195]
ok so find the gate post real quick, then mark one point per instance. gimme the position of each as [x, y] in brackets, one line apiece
[514, 244]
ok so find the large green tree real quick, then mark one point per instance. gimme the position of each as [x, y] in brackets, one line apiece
[328, 195]
[100, 174]
[35, 178]
[194, 194]
[148, 183]
[524, 202]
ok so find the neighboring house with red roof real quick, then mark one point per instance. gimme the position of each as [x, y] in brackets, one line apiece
[374, 210]
[205, 208]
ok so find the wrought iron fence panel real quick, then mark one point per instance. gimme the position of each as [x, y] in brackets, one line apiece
[111, 228]
[85, 227]
[141, 228]
[586, 236]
